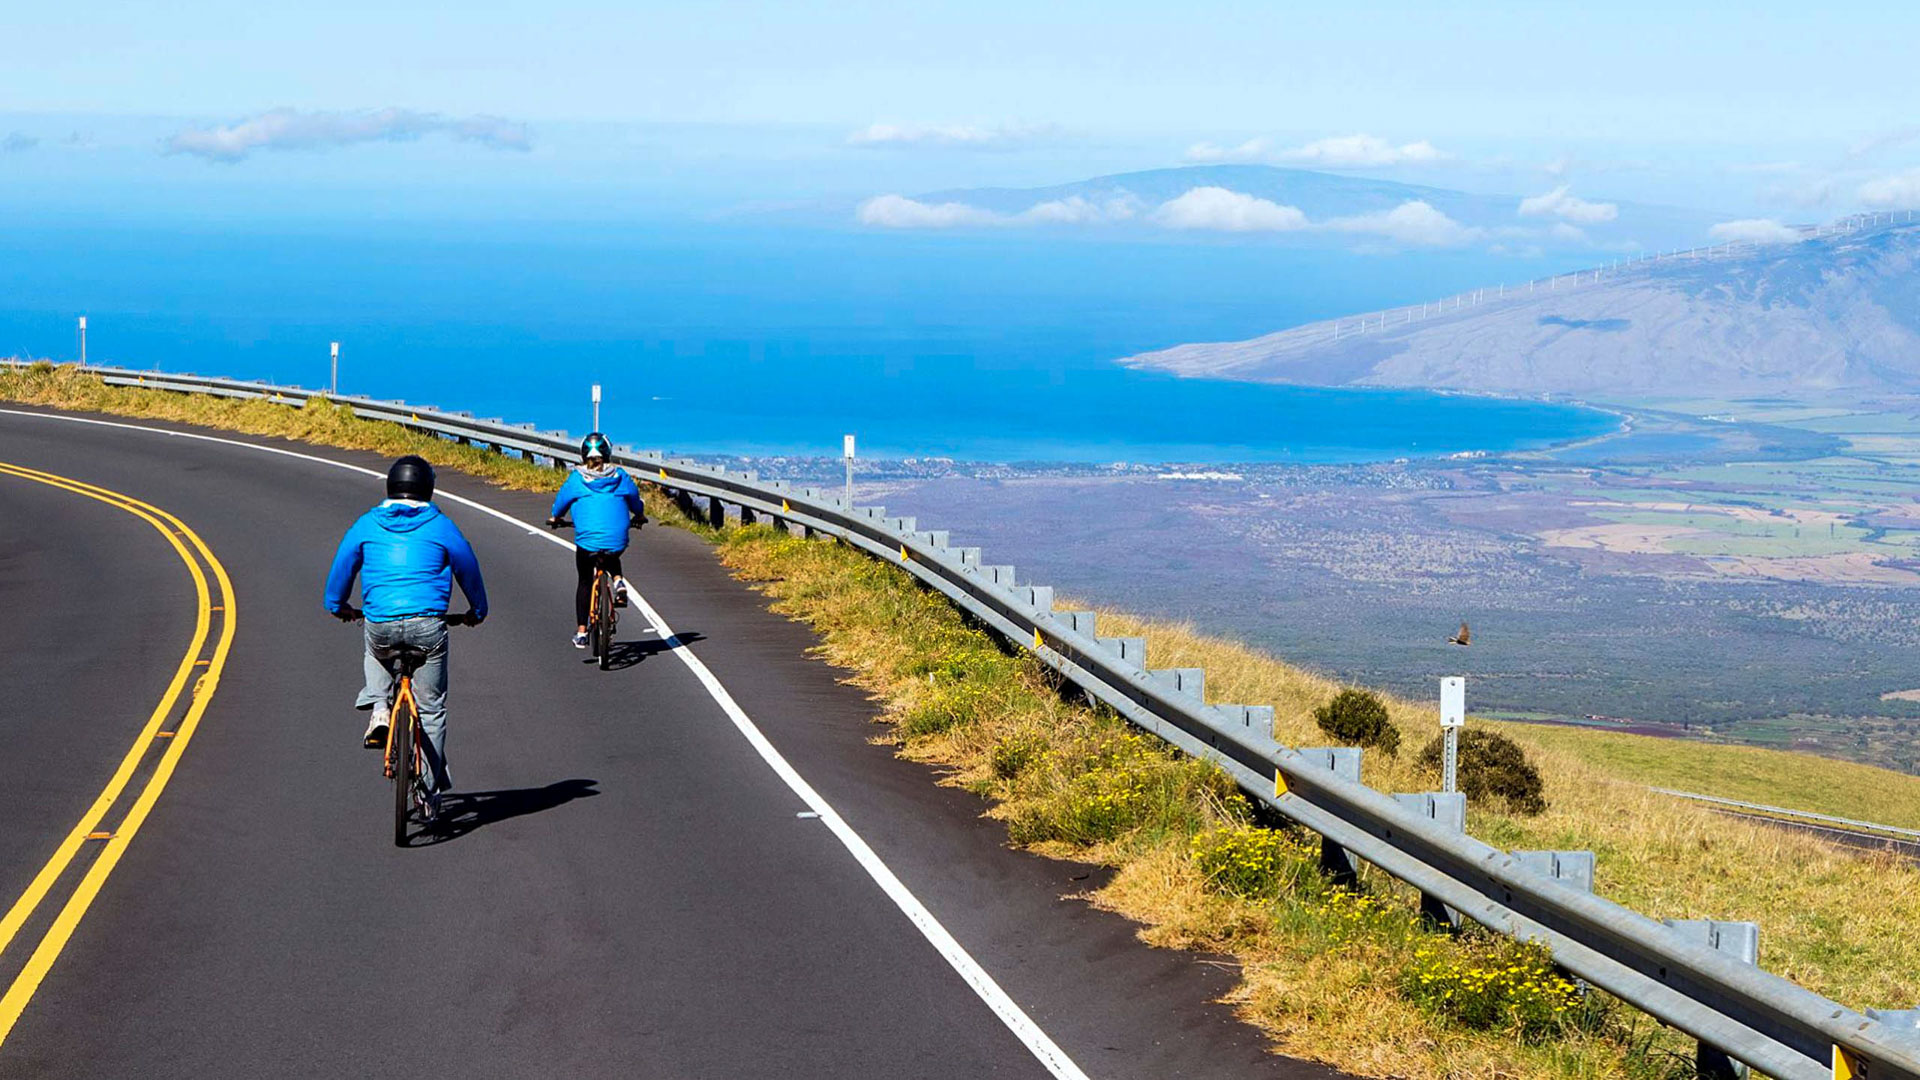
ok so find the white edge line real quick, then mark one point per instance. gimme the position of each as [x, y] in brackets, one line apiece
[976, 977]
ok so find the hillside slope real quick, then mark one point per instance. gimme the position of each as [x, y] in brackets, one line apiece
[1836, 315]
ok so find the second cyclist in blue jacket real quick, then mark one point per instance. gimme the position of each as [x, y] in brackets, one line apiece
[605, 505]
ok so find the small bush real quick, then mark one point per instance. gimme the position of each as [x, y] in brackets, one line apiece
[1501, 986]
[1492, 767]
[1359, 718]
[1013, 754]
[1249, 861]
[946, 707]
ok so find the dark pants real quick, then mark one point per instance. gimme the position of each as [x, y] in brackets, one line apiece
[584, 564]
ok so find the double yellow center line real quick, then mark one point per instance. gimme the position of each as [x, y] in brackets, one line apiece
[166, 735]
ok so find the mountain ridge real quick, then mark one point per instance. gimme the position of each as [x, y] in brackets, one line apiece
[1834, 316]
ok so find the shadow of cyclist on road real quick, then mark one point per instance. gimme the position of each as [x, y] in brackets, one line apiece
[465, 811]
[626, 654]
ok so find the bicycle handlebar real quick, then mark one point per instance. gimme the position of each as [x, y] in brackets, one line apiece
[352, 614]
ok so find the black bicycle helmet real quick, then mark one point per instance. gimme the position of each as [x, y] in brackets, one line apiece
[596, 445]
[410, 478]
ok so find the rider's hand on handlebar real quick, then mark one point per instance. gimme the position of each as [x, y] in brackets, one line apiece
[349, 613]
[558, 523]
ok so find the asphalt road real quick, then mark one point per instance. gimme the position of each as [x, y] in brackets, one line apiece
[626, 888]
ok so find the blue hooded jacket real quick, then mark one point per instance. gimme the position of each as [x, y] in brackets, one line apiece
[407, 555]
[602, 505]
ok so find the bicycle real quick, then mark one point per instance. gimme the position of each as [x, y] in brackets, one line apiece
[601, 602]
[404, 759]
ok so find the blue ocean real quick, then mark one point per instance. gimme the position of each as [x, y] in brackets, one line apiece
[734, 339]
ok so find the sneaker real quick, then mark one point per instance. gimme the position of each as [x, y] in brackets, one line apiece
[430, 808]
[620, 592]
[376, 736]
[580, 640]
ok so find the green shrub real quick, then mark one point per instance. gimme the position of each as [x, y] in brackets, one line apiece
[1013, 754]
[1492, 768]
[1503, 985]
[1249, 861]
[1359, 718]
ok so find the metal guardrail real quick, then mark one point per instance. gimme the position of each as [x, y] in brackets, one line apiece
[1791, 816]
[1755, 1017]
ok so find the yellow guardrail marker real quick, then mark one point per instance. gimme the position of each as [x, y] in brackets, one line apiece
[1279, 783]
[1848, 1065]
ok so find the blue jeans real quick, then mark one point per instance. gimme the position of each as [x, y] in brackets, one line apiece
[429, 635]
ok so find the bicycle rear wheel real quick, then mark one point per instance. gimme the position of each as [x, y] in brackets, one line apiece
[603, 618]
[404, 738]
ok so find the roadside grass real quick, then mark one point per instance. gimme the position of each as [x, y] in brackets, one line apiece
[1348, 977]
[319, 421]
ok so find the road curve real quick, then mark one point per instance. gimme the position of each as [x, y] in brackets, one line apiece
[628, 888]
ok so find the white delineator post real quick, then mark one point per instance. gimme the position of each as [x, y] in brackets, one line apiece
[335, 383]
[596, 406]
[846, 451]
[83, 341]
[1453, 716]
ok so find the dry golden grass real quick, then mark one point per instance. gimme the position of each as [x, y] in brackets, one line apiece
[1073, 782]
[1835, 921]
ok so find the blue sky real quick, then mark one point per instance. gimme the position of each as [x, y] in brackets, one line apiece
[1789, 110]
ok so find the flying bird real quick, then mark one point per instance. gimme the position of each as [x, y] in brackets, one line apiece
[1464, 637]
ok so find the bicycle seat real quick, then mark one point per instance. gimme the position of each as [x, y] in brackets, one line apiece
[409, 659]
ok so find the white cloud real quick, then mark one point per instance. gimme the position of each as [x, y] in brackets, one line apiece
[1075, 210]
[1899, 191]
[1228, 211]
[1412, 222]
[1756, 231]
[1362, 152]
[1338, 152]
[1884, 140]
[290, 129]
[1254, 149]
[900, 212]
[1562, 204]
[953, 136]
[1569, 234]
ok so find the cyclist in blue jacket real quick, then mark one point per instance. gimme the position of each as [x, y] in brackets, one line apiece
[407, 555]
[605, 504]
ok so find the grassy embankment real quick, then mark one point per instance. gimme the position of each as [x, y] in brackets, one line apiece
[1351, 978]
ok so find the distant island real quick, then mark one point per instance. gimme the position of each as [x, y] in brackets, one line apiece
[1833, 316]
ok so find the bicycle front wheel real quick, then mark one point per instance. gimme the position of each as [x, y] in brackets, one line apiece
[405, 767]
[603, 620]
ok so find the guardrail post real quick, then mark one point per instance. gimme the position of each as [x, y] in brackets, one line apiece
[716, 513]
[1131, 649]
[1191, 681]
[1571, 868]
[746, 515]
[1343, 761]
[683, 500]
[1448, 809]
[1037, 597]
[1741, 940]
[1080, 622]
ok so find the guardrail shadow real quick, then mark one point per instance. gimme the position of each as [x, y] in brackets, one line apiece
[626, 654]
[464, 811]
